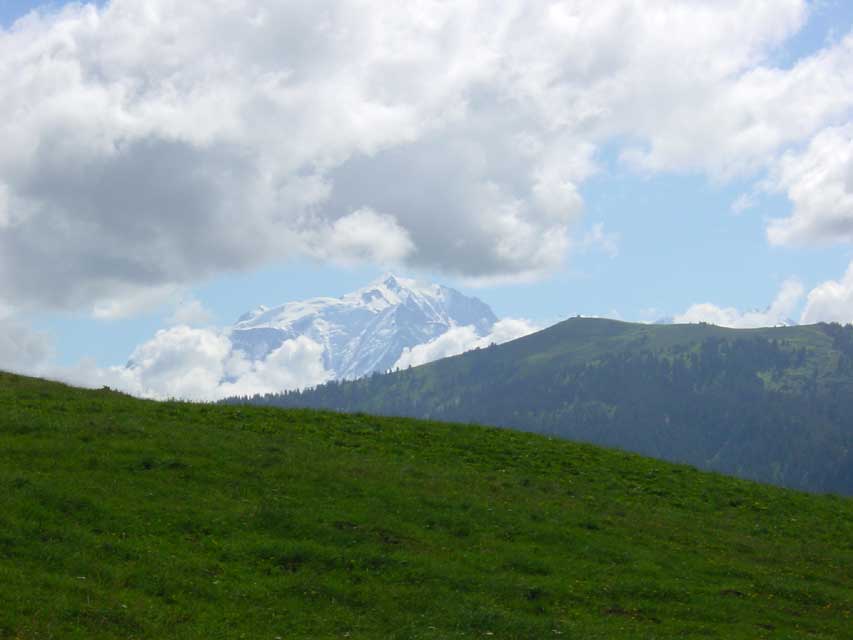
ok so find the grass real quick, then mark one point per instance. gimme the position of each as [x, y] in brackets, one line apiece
[122, 518]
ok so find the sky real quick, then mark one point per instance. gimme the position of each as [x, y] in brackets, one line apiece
[168, 165]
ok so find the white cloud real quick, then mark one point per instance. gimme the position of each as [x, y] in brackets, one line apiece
[452, 342]
[23, 350]
[191, 312]
[508, 329]
[297, 363]
[744, 202]
[819, 183]
[200, 364]
[746, 116]
[461, 339]
[604, 241]
[831, 301]
[135, 300]
[180, 362]
[779, 312]
[5, 206]
[151, 144]
[364, 236]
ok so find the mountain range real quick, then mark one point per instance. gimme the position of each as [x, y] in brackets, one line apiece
[366, 330]
[773, 404]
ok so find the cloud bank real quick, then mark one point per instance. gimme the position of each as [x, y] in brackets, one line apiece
[461, 339]
[830, 301]
[148, 145]
[780, 312]
[200, 364]
[188, 363]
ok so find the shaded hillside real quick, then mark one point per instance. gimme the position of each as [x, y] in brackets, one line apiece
[122, 518]
[774, 405]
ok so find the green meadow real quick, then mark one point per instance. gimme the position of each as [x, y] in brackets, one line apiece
[123, 518]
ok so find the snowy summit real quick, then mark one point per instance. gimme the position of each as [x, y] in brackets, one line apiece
[366, 330]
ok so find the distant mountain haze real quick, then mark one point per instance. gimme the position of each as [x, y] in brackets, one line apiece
[773, 404]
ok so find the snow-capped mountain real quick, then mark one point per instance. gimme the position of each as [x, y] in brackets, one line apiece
[366, 330]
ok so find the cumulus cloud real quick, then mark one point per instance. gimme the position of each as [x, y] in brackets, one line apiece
[364, 236]
[779, 312]
[191, 312]
[297, 363]
[151, 144]
[819, 183]
[180, 363]
[200, 364]
[461, 339]
[599, 239]
[751, 114]
[831, 301]
[23, 350]
[135, 300]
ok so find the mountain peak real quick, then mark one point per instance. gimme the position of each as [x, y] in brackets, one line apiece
[395, 283]
[365, 330]
[254, 313]
[393, 289]
[390, 280]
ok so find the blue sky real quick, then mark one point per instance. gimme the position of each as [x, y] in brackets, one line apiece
[653, 236]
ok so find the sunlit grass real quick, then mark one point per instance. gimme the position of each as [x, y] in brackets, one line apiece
[122, 518]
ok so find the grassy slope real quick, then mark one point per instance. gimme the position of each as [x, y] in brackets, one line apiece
[124, 518]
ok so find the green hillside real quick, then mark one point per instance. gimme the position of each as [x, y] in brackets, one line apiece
[774, 405]
[122, 518]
